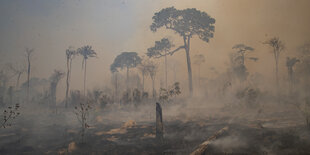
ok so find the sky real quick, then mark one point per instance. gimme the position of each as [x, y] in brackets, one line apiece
[115, 26]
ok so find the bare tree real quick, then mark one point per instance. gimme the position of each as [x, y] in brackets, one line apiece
[29, 53]
[70, 53]
[86, 52]
[187, 23]
[278, 47]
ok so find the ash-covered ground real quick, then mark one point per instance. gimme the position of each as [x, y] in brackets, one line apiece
[129, 129]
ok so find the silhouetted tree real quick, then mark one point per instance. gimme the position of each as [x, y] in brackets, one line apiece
[151, 68]
[143, 69]
[278, 47]
[54, 79]
[29, 53]
[198, 60]
[290, 62]
[238, 61]
[18, 71]
[161, 49]
[115, 81]
[125, 60]
[238, 69]
[242, 49]
[186, 23]
[70, 53]
[86, 52]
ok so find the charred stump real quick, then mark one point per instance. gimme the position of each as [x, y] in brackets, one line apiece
[159, 123]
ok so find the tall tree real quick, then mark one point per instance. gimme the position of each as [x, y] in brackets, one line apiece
[161, 49]
[70, 53]
[115, 81]
[152, 68]
[29, 53]
[277, 47]
[143, 69]
[242, 50]
[86, 52]
[54, 79]
[198, 60]
[126, 60]
[238, 61]
[290, 62]
[186, 23]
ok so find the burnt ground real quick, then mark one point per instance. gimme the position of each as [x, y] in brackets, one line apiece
[277, 133]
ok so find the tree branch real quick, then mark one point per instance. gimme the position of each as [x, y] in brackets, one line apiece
[172, 52]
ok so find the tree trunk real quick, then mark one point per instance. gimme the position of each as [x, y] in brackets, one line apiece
[116, 87]
[242, 54]
[17, 82]
[127, 79]
[84, 77]
[28, 77]
[199, 75]
[277, 74]
[153, 85]
[143, 82]
[277, 79]
[189, 68]
[53, 94]
[276, 57]
[166, 72]
[159, 123]
[174, 74]
[290, 79]
[67, 82]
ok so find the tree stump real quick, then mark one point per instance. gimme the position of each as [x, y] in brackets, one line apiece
[159, 123]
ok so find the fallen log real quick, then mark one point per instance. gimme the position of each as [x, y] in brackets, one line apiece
[203, 147]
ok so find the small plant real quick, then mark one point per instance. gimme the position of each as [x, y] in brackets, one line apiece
[82, 112]
[172, 91]
[9, 114]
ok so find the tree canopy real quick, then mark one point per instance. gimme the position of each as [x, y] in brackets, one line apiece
[125, 60]
[160, 49]
[187, 22]
[86, 52]
[242, 48]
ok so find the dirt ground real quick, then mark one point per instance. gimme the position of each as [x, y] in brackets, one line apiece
[276, 132]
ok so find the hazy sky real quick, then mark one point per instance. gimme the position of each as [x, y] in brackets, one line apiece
[114, 26]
